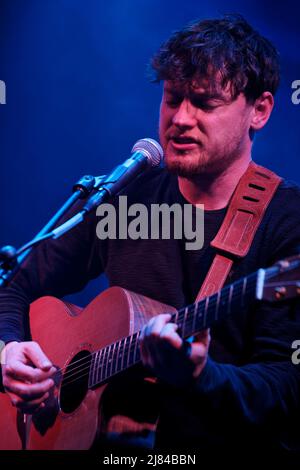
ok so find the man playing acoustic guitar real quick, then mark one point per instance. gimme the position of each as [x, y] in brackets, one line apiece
[234, 386]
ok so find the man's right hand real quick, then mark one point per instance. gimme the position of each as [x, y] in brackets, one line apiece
[27, 373]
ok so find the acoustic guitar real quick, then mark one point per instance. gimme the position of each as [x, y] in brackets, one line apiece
[92, 347]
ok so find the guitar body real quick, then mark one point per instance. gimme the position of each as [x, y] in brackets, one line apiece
[72, 416]
[10, 431]
[95, 350]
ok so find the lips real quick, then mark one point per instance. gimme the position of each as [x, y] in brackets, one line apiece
[184, 143]
[184, 140]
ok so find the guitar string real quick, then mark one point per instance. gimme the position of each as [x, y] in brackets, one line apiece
[252, 277]
[122, 351]
[71, 372]
[181, 311]
[88, 360]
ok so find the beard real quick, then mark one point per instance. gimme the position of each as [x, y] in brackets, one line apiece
[201, 162]
[185, 166]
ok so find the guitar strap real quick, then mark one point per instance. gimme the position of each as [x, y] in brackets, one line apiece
[246, 209]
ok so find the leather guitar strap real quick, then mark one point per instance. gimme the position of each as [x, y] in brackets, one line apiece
[246, 210]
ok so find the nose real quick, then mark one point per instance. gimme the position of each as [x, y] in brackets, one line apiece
[185, 116]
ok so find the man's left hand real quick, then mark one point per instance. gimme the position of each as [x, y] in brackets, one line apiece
[164, 351]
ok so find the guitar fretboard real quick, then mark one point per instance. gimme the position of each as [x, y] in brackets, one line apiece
[124, 353]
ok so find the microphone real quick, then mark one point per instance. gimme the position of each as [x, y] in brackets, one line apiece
[146, 153]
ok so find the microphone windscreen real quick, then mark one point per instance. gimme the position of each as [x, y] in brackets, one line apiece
[150, 149]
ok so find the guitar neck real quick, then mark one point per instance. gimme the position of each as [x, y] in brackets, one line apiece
[125, 353]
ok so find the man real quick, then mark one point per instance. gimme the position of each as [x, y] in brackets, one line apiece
[239, 389]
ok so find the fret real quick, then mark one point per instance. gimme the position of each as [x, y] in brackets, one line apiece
[229, 299]
[118, 368]
[136, 349]
[104, 355]
[123, 353]
[133, 340]
[191, 319]
[108, 361]
[176, 318]
[99, 366]
[199, 320]
[128, 353]
[92, 371]
[217, 305]
[184, 335]
[179, 319]
[113, 360]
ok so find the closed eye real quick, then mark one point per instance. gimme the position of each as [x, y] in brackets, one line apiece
[207, 105]
[173, 103]
[173, 100]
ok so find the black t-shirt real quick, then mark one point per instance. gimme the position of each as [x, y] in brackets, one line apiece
[250, 389]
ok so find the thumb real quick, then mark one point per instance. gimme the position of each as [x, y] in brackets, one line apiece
[36, 355]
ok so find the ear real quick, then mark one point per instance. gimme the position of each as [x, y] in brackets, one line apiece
[262, 109]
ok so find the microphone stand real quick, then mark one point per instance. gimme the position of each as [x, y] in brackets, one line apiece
[105, 187]
[11, 259]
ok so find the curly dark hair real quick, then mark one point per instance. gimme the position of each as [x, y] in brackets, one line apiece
[229, 47]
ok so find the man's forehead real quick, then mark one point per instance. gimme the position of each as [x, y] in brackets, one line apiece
[200, 86]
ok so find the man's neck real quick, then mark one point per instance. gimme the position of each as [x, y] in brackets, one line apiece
[213, 190]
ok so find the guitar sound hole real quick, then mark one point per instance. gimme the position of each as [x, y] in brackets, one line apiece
[75, 382]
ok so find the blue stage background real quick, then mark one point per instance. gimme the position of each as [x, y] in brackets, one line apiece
[78, 96]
